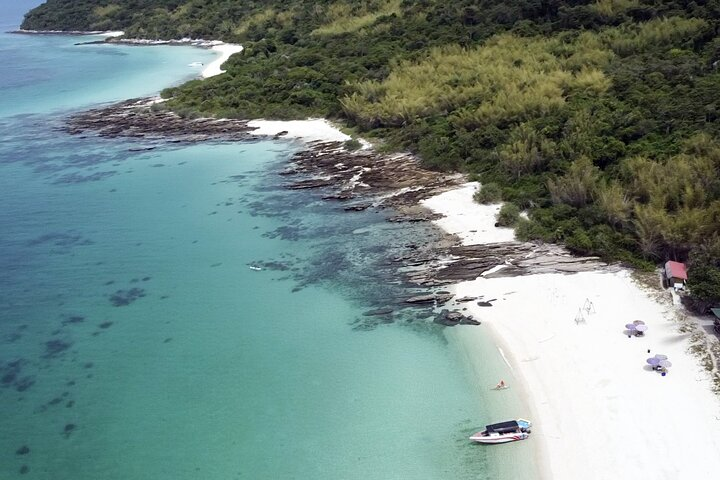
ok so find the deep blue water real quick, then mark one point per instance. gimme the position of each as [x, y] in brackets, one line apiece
[136, 342]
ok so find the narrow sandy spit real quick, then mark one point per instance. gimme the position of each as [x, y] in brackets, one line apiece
[225, 49]
[599, 412]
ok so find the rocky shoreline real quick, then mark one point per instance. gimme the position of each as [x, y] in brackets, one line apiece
[357, 180]
[147, 119]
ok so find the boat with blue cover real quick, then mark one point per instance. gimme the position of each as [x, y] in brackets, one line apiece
[504, 432]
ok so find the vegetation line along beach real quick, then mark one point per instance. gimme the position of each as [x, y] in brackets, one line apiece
[594, 123]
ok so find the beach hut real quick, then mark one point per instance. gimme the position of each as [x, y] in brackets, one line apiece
[675, 274]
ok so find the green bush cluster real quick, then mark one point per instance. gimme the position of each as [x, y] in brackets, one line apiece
[488, 193]
[508, 216]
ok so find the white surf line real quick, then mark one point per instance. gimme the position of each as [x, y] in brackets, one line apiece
[502, 354]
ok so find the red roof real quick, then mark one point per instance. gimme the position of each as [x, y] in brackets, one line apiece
[675, 270]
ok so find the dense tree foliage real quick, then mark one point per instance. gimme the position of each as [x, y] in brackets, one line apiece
[602, 117]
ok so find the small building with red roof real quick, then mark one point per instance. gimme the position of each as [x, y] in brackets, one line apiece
[675, 273]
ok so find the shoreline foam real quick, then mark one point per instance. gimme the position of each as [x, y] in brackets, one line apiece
[598, 412]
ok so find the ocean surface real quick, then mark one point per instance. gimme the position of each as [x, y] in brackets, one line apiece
[136, 341]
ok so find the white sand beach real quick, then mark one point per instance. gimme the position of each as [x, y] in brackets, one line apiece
[225, 49]
[310, 130]
[599, 411]
[115, 33]
[473, 225]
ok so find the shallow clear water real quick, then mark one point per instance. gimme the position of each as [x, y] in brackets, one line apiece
[44, 73]
[136, 342]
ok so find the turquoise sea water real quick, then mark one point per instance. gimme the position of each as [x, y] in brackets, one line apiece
[136, 342]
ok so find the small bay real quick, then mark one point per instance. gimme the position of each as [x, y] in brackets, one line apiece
[136, 341]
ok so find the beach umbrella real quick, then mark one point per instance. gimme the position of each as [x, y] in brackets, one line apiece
[654, 361]
[665, 363]
[660, 356]
[631, 326]
[641, 328]
[639, 322]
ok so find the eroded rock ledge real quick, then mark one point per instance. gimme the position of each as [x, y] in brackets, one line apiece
[364, 178]
[511, 259]
[143, 118]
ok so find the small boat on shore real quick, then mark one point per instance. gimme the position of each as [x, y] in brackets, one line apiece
[504, 432]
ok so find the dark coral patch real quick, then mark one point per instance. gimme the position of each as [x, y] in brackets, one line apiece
[24, 450]
[73, 319]
[54, 348]
[123, 298]
[12, 337]
[10, 376]
[24, 383]
[105, 325]
[24, 469]
[69, 428]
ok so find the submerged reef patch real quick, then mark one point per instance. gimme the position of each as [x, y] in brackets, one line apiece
[73, 178]
[24, 383]
[59, 242]
[10, 376]
[286, 232]
[69, 428]
[122, 298]
[55, 348]
[73, 319]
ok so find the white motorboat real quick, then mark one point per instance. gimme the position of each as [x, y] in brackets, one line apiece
[504, 432]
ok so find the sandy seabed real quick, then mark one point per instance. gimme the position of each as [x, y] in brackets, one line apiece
[598, 410]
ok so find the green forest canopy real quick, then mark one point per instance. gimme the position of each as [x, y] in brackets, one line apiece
[600, 116]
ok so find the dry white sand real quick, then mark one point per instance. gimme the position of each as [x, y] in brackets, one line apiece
[473, 225]
[118, 33]
[225, 49]
[598, 411]
[311, 130]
